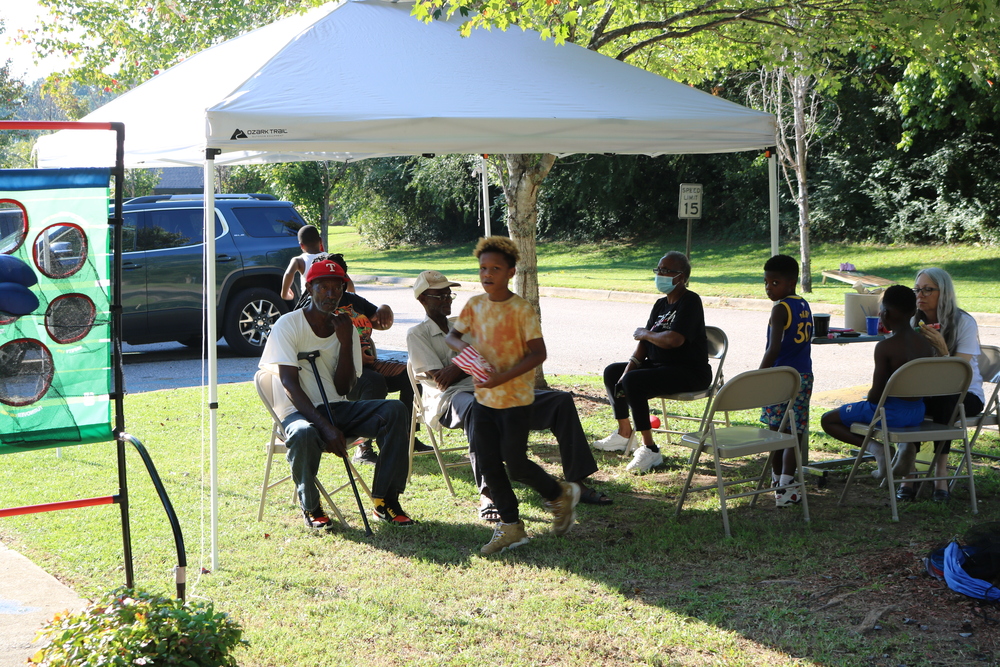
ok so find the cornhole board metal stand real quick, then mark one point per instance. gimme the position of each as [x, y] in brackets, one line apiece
[119, 434]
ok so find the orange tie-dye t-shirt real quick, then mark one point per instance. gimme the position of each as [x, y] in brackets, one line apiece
[501, 330]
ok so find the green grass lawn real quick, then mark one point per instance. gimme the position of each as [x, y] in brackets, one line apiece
[720, 268]
[629, 585]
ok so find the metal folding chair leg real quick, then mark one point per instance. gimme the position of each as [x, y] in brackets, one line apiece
[436, 444]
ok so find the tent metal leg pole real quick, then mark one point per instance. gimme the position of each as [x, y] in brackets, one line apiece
[483, 164]
[210, 343]
[772, 187]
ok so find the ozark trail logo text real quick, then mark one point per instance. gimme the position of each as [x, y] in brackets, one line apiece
[246, 134]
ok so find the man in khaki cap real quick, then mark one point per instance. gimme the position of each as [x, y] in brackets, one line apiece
[448, 393]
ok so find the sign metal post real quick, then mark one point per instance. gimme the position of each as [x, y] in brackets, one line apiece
[689, 208]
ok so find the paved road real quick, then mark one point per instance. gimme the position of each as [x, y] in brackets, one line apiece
[582, 336]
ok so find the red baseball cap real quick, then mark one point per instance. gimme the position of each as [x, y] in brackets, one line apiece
[325, 268]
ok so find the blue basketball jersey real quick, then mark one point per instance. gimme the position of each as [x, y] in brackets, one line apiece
[796, 342]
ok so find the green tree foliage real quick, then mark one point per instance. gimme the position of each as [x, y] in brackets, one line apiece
[12, 91]
[299, 182]
[411, 199]
[139, 182]
[635, 196]
[61, 100]
[242, 179]
[67, 96]
[118, 45]
[38, 105]
[15, 151]
[798, 43]
[705, 34]
[927, 176]
[12, 96]
[934, 102]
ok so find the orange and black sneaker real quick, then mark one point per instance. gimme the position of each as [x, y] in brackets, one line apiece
[317, 518]
[389, 510]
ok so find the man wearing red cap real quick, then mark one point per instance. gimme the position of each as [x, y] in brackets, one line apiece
[318, 327]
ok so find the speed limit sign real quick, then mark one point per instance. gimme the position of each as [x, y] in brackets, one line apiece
[689, 204]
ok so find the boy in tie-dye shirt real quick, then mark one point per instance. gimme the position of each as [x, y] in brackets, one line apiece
[508, 335]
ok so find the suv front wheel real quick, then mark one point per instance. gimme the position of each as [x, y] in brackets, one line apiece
[249, 318]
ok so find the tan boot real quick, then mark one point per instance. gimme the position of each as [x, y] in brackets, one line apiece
[563, 508]
[505, 536]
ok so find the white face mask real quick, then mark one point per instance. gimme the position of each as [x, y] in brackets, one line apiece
[665, 284]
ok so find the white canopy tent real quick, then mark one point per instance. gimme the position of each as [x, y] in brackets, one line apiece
[363, 78]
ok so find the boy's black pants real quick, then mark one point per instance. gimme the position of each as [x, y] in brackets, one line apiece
[501, 437]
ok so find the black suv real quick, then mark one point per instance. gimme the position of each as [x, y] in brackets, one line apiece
[162, 284]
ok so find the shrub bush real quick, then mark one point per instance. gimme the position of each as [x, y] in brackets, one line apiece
[128, 627]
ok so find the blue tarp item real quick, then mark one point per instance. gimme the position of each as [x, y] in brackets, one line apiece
[960, 581]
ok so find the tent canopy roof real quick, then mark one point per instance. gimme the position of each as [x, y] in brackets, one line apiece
[363, 78]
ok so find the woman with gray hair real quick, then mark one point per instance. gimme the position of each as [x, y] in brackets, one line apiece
[671, 356]
[953, 333]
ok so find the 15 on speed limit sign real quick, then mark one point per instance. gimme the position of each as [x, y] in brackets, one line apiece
[689, 204]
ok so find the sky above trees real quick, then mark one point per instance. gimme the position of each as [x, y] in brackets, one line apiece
[24, 14]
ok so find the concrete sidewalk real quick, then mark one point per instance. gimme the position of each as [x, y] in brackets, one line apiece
[29, 597]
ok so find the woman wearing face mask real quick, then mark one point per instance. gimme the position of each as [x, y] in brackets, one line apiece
[953, 333]
[671, 356]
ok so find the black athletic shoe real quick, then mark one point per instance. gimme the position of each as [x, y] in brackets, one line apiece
[387, 509]
[317, 518]
[365, 455]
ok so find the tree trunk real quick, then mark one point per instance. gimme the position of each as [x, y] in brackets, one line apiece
[525, 174]
[800, 90]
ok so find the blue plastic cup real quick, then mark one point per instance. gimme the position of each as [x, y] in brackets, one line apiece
[872, 323]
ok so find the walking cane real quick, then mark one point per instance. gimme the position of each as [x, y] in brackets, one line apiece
[311, 357]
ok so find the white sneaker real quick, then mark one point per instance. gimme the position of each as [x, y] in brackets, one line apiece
[644, 459]
[786, 497]
[613, 443]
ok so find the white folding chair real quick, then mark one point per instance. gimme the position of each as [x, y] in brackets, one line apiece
[418, 417]
[920, 378]
[718, 346]
[753, 389]
[267, 384]
[989, 367]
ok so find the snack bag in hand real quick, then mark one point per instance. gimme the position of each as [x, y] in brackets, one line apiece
[473, 363]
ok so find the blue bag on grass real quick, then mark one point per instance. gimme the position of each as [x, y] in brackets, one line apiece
[961, 581]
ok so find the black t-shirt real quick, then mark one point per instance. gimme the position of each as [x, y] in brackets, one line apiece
[686, 317]
[361, 305]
